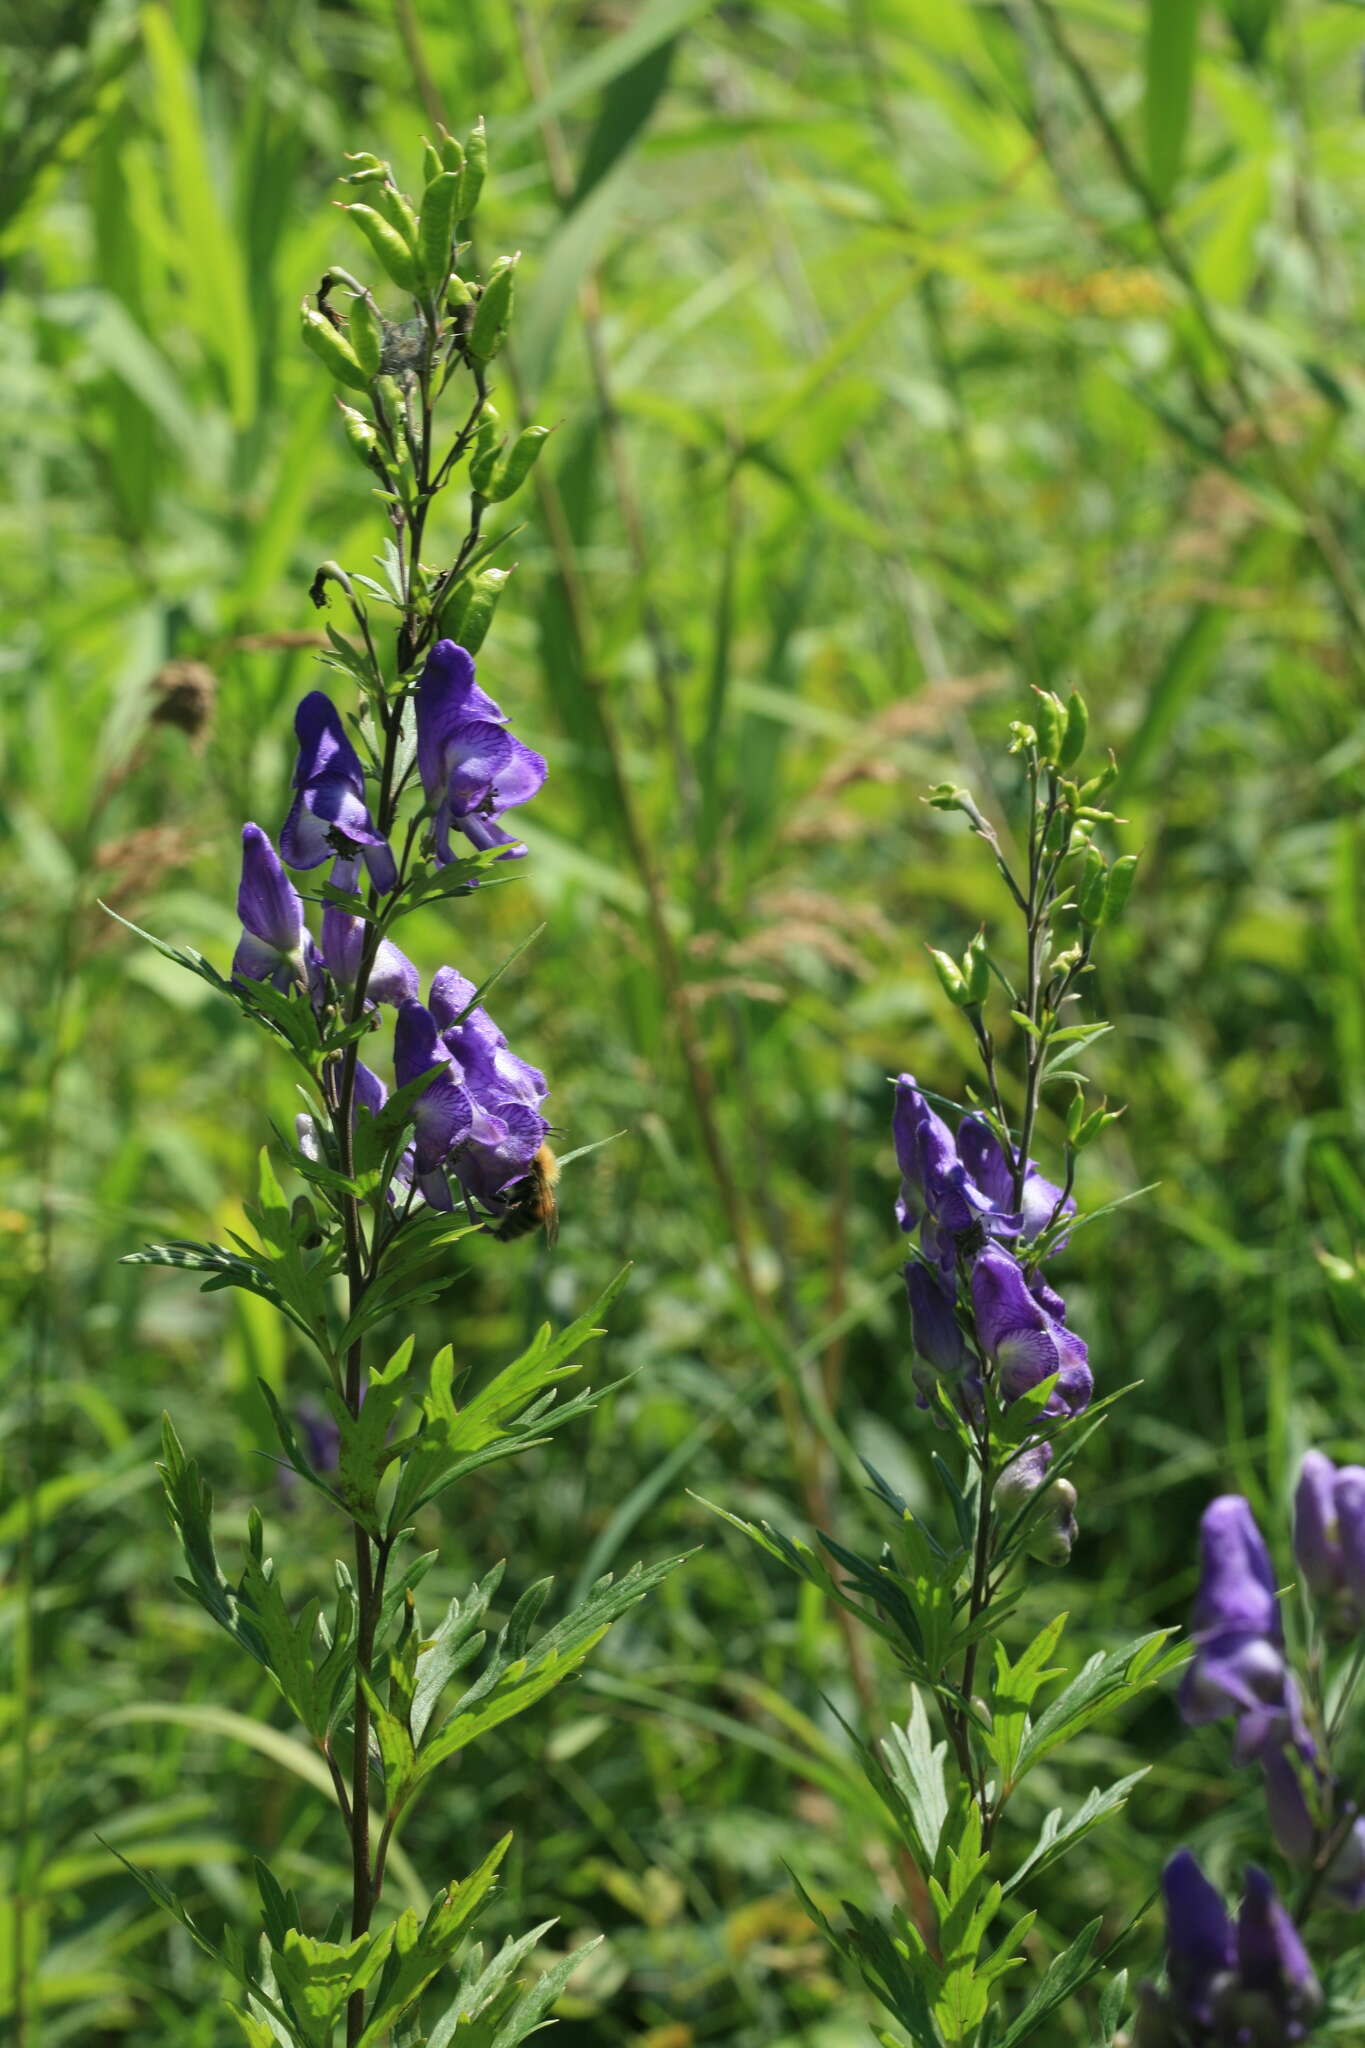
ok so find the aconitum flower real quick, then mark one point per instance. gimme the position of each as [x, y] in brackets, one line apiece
[936, 1189]
[393, 978]
[1025, 1341]
[274, 945]
[937, 1338]
[472, 768]
[1239, 1667]
[1329, 1538]
[507, 1128]
[986, 1161]
[444, 1112]
[329, 814]
[1248, 1985]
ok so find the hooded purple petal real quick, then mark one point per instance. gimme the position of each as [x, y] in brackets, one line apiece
[444, 1111]
[933, 1323]
[267, 901]
[1271, 1957]
[1236, 1581]
[447, 696]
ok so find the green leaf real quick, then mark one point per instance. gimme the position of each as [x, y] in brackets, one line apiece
[915, 1767]
[557, 1655]
[1016, 1686]
[418, 1953]
[1104, 1683]
[1065, 1974]
[1172, 50]
[1059, 1835]
[316, 1978]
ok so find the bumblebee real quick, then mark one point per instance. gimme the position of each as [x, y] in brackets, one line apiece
[531, 1203]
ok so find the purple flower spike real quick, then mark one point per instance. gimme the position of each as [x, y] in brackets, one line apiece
[329, 813]
[1329, 1538]
[274, 945]
[393, 978]
[1239, 1667]
[472, 768]
[444, 1111]
[1025, 1342]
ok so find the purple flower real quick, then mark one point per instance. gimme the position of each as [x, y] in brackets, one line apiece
[1303, 1818]
[986, 1161]
[1239, 1667]
[1329, 1538]
[938, 1340]
[274, 945]
[393, 978]
[444, 1111]
[1024, 1340]
[1248, 1985]
[329, 813]
[936, 1188]
[472, 768]
[507, 1128]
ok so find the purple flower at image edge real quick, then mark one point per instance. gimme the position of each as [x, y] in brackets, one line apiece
[472, 768]
[329, 814]
[1242, 1984]
[1329, 1538]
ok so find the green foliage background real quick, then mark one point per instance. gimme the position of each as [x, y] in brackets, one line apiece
[881, 395]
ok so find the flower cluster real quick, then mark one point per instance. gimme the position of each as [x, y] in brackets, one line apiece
[958, 1193]
[478, 1122]
[1242, 1984]
[1241, 1670]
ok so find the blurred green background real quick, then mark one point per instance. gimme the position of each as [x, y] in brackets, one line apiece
[901, 353]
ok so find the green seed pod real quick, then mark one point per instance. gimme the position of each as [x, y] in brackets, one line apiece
[432, 166]
[396, 210]
[512, 472]
[950, 977]
[494, 310]
[468, 612]
[452, 156]
[1051, 724]
[369, 168]
[331, 348]
[1098, 784]
[436, 231]
[1077, 730]
[458, 294]
[475, 170]
[976, 971]
[365, 334]
[1091, 889]
[388, 245]
[488, 445]
[1120, 887]
[360, 432]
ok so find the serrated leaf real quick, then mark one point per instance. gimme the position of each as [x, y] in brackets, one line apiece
[1059, 1835]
